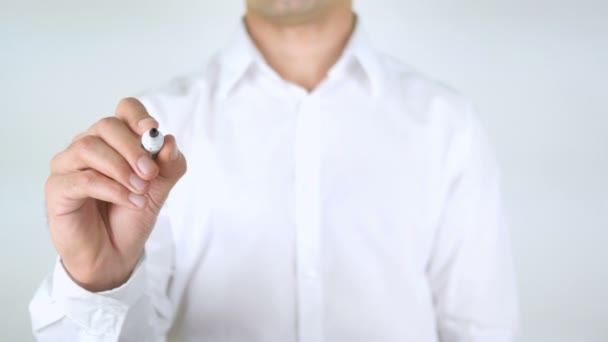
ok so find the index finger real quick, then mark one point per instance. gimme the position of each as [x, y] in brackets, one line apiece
[131, 111]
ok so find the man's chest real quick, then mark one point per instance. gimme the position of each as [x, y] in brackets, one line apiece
[349, 173]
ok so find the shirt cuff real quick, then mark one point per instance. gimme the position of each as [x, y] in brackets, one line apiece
[99, 313]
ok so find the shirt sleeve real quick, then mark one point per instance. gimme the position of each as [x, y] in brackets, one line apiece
[471, 269]
[139, 310]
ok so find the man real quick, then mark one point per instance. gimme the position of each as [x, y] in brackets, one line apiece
[332, 194]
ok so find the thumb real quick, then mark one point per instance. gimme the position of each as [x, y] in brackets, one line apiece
[171, 162]
[172, 166]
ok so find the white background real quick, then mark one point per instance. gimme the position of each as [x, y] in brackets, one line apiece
[537, 70]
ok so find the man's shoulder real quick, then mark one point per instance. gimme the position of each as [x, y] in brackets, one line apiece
[422, 96]
[448, 116]
[408, 78]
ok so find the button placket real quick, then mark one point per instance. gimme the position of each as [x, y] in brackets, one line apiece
[308, 193]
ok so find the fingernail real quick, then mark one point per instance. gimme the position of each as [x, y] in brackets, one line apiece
[146, 165]
[146, 123]
[137, 182]
[138, 200]
[174, 153]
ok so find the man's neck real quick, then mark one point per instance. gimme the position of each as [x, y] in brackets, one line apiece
[303, 53]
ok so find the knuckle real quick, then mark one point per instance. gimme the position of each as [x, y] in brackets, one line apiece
[78, 136]
[49, 186]
[106, 123]
[86, 145]
[88, 179]
[128, 104]
[54, 162]
[184, 169]
[50, 194]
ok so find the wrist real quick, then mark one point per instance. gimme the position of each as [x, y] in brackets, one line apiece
[98, 280]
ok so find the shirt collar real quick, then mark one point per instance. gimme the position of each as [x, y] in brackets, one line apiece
[241, 53]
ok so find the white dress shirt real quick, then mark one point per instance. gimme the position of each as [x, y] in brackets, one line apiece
[366, 210]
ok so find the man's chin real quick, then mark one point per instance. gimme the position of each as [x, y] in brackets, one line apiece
[287, 12]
